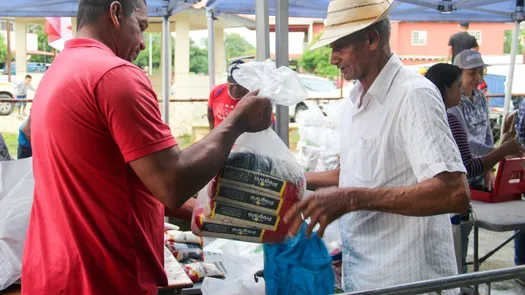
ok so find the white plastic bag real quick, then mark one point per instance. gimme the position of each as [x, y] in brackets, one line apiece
[261, 179]
[319, 143]
[242, 261]
[16, 200]
[282, 86]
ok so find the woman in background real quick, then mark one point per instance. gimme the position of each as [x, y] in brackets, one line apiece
[447, 79]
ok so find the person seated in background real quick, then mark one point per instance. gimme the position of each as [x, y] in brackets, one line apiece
[224, 97]
[24, 140]
[447, 79]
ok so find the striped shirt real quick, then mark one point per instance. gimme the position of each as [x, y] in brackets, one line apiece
[397, 137]
[473, 165]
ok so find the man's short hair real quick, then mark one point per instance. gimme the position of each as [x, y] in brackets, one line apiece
[464, 25]
[90, 10]
[28, 77]
[383, 28]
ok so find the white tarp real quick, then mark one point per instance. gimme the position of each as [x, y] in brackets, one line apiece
[16, 200]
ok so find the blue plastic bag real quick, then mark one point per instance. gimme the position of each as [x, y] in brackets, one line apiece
[299, 266]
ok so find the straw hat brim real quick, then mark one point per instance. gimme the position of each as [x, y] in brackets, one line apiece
[334, 33]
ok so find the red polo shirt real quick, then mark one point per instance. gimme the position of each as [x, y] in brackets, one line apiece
[221, 103]
[94, 228]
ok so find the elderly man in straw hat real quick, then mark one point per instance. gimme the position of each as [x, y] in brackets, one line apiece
[401, 171]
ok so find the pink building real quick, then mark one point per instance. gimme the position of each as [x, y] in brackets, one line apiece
[423, 42]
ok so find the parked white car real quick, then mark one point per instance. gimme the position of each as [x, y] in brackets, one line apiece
[317, 87]
[6, 92]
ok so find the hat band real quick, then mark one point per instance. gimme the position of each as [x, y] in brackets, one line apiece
[349, 22]
[354, 7]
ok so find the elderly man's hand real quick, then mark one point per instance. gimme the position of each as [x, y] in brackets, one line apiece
[253, 113]
[323, 207]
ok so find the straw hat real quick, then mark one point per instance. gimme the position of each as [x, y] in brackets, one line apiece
[346, 17]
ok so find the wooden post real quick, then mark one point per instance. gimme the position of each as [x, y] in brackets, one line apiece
[54, 54]
[9, 50]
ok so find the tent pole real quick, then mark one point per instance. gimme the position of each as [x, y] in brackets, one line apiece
[282, 60]
[262, 30]
[166, 63]
[518, 18]
[211, 48]
[513, 52]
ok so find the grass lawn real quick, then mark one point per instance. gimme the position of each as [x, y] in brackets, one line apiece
[11, 139]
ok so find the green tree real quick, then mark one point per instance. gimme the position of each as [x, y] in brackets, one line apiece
[236, 46]
[43, 45]
[143, 58]
[3, 49]
[318, 61]
[508, 42]
[199, 56]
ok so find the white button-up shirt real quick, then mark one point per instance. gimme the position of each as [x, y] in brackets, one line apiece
[398, 137]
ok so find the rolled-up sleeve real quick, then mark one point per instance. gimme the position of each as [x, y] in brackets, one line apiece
[426, 135]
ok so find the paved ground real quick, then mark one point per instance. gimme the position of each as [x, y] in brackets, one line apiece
[502, 259]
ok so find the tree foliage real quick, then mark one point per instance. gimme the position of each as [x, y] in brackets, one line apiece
[237, 46]
[3, 49]
[143, 58]
[43, 45]
[199, 56]
[318, 61]
[508, 42]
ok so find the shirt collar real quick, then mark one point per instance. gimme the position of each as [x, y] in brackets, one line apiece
[475, 97]
[86, 42]
[381, 84]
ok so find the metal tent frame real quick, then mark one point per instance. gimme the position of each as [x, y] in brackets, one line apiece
[402, 10]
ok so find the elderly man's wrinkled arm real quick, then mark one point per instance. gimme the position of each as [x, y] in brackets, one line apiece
[447, 192]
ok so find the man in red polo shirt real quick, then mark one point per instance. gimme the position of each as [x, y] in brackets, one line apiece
[103, 159]
[224, 97]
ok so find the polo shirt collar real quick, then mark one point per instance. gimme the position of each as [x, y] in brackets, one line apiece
[86, 42]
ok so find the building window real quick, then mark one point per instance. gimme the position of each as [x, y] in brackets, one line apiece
[3, 25]
[476, 34]
[419, 38]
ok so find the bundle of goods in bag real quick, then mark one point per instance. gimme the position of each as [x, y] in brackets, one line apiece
[260, 180]
[184, 245]
[197, 271]
[248, 198]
